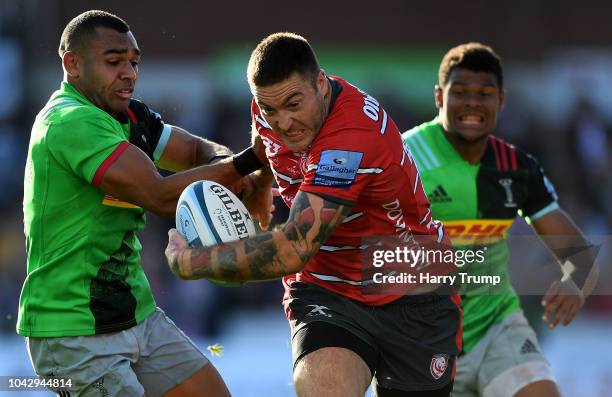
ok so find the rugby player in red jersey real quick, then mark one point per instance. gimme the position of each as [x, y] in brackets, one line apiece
[339, 163]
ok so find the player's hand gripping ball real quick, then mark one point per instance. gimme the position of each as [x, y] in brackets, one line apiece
[208, 214]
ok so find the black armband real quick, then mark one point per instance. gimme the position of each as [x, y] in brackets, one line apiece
[219, 156]
[247, 162]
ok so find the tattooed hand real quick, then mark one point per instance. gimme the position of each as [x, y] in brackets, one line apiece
[177, 245]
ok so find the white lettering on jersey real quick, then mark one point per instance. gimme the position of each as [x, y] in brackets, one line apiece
[272, 148]
[371, 107]
[396, 216]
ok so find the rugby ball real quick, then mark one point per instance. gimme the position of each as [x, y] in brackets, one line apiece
[207, 213]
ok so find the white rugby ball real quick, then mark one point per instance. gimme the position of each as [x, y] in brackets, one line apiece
[207, 213]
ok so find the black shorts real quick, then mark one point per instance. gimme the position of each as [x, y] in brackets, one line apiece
[409, 344]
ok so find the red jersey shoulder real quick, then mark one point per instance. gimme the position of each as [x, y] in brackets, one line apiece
[355, 109]
[358, 123]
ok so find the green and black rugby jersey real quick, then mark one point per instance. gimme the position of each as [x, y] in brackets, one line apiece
[478, 204]
[84, 269]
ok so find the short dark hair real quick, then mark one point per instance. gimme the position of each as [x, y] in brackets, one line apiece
[475, 57]
[280, 55]
[83, 27]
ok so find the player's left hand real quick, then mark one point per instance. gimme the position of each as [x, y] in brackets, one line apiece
[258, 201]
[176, 247]
[561, 302]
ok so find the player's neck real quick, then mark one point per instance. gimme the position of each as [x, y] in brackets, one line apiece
[471, 151]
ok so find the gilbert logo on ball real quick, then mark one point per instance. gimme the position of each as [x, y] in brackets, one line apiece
[208, 213]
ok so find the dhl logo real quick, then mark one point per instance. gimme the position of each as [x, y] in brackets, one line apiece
[472, 231]
[114, 202]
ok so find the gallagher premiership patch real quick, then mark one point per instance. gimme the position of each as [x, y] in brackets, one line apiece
[337, 168]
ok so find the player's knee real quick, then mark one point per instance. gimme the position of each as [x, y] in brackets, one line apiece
[331, 372]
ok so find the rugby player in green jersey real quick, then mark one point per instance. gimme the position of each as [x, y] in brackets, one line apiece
[477, 184]
[86, 307]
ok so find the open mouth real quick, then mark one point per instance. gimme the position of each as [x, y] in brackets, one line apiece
[125, 93]
[471, 119]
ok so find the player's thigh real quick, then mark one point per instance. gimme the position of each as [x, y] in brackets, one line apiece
[205, 382]
[331, 371]
[330, 360]
[333, 351]
[513, 360]
[94, 365]
[170, 361]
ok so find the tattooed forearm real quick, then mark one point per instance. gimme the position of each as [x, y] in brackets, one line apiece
[314, 218]
[271, 254]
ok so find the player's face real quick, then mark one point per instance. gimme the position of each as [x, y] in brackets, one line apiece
[107, 70]
[468, 104]
[295, 109]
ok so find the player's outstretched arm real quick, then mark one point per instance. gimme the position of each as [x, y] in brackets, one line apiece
[133, 177]
[266, 256]
[185, 150]
[576, 255]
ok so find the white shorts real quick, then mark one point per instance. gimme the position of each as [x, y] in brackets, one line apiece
[151, 357]
[504, 361]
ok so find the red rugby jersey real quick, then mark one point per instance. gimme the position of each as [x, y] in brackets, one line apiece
[356, 159]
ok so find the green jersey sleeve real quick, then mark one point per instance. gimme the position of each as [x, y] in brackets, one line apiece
[82, 144]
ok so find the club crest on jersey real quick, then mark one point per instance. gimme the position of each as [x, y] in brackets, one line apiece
[337, 168]
[506, 183]
[439, 363]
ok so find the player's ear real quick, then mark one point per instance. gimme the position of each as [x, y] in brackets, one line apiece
[321, 80]
[438, 96]
[70, 63]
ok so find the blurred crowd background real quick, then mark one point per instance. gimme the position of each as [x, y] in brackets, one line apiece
[557, 59]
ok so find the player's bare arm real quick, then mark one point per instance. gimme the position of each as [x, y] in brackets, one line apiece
[267, 256]
[134, 178]
[185, 150]
[564, 298]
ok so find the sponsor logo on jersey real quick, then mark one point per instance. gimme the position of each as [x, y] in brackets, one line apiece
[114, 202]
[439, 195]
[472, 231]
[337, 168]
[439, 363]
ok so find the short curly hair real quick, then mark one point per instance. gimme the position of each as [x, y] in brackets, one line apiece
[475, 57]
[83, 27]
